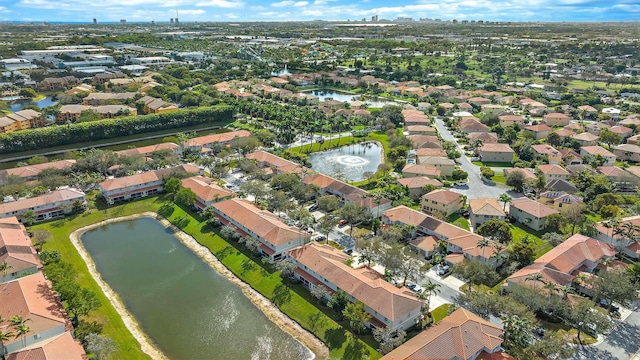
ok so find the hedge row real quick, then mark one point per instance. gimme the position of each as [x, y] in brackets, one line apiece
[59, 135]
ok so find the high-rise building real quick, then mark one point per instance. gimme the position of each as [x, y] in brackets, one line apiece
[171, 20]
[123, 21]
[95, 21]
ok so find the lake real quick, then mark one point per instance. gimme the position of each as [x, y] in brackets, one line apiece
[185, 307]
[323, 94]
[351, 163]
[19, 105]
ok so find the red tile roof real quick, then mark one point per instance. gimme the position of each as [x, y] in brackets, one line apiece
[460, 335]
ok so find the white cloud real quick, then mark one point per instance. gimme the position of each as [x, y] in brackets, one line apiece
[4, 9]
[301, 3]
[284, 3]
[192, 12]
[222, 4]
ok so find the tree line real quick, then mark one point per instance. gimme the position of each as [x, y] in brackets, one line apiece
[42, 138]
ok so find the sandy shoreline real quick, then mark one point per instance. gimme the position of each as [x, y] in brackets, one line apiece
[265, 305]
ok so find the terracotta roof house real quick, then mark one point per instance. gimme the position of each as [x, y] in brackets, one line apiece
[627, 152]
[598, 150]
[472, 125]
[623, 131]
[479, 101]
[16, 250]
[415, 117]
[424, 245]
[141, 185]
[586, 139]
[484, 137]
[274, 235]
[31, 297]
[397, 308]
[575, 127]
[147, 151]
[47, 206]
[629, 247]
[492, 109]
[496, 153]
[548, 152]
[60, 347]
[460, 336]
[552, 172]
[207, 192]
[276, 164]
[425, 141]
[71, 113]
[458, 240]
[614, 173]
[443, 201]
[565, 133]
[157, 106]
[577, 254]
[442, 163]
[539, 131]
[415, 185]
[634, 140]
[205, 142]
[556, 119]
[421, 130]
[430, 152]
[528, 174]
[530, 213]
[30, 172]
[484, 209]
[414, 170]
[510, 119]
[348, 193]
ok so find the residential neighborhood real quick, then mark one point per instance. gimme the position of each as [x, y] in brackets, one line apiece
[379, 189]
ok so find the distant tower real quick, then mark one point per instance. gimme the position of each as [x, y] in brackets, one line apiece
[123, 21]
[95, 21]
[153, 22]
[171, 20]
[177, 22]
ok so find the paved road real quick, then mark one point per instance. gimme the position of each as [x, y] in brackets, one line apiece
[477, 188]
[448, 288]
[621, 344]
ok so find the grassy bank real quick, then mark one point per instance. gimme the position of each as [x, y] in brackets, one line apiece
[342, 343]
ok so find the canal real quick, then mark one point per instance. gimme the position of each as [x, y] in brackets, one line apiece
[184, 306]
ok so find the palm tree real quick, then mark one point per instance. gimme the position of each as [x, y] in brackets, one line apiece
[4, 268]
[535, 278]
[430, 289]
[551, 288]
[539, 183]
[483, 243]
[19, 324]
[504, 199]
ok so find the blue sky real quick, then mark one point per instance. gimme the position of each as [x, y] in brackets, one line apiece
[287, 10]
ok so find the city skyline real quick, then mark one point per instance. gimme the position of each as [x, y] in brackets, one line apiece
[301, 10]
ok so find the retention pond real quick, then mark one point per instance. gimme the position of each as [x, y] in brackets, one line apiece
[185, 307]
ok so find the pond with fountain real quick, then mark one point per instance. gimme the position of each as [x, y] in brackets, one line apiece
[354, 162]
[185, 307]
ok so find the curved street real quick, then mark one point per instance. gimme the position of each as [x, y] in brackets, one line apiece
[476, 187]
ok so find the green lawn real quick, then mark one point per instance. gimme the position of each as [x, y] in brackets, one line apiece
[341, 342]
[499, 178]
[458, 221]
[440, 313]
[519, 231]
[327, 145]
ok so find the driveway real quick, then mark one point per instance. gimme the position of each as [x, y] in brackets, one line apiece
[476, 187]
[621, 344]
[449, 286]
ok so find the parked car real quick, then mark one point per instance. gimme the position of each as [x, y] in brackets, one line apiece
[313, 207]
[343, 222]
[411, 286]
[320, 238]
[443, 270]
[348, 251]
